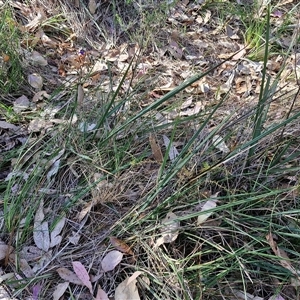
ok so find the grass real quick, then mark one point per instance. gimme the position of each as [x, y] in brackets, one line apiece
[250, 242]
[11, 69]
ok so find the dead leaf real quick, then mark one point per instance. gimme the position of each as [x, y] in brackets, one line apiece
[60, 290]
[194, 110]
[6, 276]
[100, 194]
[47, 41]
[41, 230]
[5, 57]
[170, 226]
[74, 239]
[87, 127]
[207, 16]
[40, 95]
[120, 245]
[4, 293]
[38, 59]
[54, 163]
[36, 81]
[219, 143]
[86, 209]
[5, 250]
[173, 152]
[92, 6]
[37, 125]
[82, 274]
[69, 276]
[277, 297]
[128, 289]
[101, 295]
[42, 261]
[25, 268]
[111, 260]
[35, 22]
[5, 125]
[156, 150]
[31, 253]
[98, 67]
[55, 237]
[240, 53]
[285, 261]
[208, 205]
[295, 282]
[241, 295]
[36, 289]
[175, 50]
[22, 103]
[80, 95]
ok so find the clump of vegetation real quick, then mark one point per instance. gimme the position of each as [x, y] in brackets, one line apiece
[10, 62]
[176, 163]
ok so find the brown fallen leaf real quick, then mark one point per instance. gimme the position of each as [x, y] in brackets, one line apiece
[69, 276]
[156, 150]
[120, 245]
[285, 261]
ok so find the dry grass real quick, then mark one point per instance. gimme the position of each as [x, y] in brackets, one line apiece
[110, 171]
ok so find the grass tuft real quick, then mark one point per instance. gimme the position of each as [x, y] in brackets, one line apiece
[96, 162]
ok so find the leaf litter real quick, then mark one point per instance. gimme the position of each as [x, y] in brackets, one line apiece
[67, 62]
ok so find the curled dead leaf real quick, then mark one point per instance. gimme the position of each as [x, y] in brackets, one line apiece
[120, 245]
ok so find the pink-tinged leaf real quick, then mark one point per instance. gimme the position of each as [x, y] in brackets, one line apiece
[68, 275]
[60, 290]
[111, 260]
[82, 274]
[277, 14]
[101, 295]
[35, 291]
